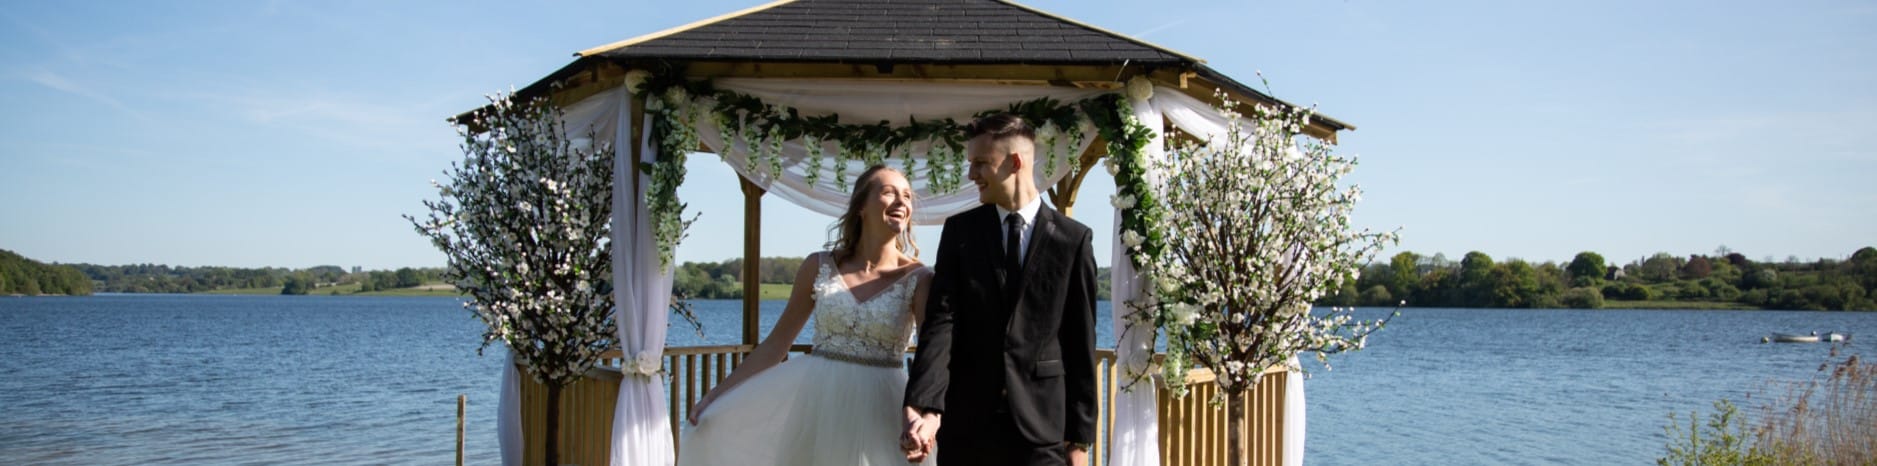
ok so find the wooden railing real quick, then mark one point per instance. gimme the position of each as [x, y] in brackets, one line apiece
[1192, 429]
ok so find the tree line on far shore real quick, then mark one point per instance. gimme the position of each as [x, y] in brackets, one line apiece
[151, 278]
[22, 276]
[1725, 278]
[1586, 281]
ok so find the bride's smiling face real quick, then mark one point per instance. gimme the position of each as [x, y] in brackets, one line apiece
[890, 206]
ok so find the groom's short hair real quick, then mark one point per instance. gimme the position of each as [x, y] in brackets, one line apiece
[1000, 126]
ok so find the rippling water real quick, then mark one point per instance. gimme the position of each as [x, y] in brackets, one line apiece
[165, 379]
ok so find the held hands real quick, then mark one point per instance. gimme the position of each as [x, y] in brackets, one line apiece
[920, 436]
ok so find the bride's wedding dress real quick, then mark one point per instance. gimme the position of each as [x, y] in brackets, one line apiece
[839, 405]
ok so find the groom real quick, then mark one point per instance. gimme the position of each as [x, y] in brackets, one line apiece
[1007, 350]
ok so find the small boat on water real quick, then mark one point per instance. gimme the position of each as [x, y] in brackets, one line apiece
[1791, 338]
[1814, 337]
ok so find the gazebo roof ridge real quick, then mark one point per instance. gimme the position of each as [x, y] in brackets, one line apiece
[925, 31]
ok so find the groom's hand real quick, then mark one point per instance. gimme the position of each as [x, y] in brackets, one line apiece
[1077, 455]
[909, 439]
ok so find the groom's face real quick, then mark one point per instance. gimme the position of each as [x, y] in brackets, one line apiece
[994, 168]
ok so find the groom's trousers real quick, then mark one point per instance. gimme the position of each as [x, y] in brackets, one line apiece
[992, 440]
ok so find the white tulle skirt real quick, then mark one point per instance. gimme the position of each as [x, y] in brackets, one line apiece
[807, 411]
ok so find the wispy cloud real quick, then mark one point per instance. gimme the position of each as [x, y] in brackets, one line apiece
[58, 82]
[1156, 29]
[337, 117]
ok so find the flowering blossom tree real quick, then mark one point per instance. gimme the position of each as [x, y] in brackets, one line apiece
[1252, 228]
[525, 221]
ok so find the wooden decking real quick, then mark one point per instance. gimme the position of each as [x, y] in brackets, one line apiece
[1192, 429]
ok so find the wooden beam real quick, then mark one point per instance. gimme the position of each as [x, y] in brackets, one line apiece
[1110, 76]
[752, 260]
[1065, 192]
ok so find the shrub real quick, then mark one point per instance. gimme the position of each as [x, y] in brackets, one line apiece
[1635, 292]
[1377, 296]
[1581, 298]
[1613, 291]
[1692, 292]
[1722, 442]
[1753, 297]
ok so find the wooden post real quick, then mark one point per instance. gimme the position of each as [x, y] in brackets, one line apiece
[461, 402]
[752, 260]
[1063, 194]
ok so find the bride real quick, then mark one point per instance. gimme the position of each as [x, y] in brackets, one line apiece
[840, 404]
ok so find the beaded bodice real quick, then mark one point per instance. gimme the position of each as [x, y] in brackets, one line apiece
[876, 330]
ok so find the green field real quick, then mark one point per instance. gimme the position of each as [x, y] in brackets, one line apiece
[1677, 305]
[776, 291]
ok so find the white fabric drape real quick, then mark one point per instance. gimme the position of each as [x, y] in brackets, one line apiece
[1202, 121]
[508, 413]
[1136, 436]
[642, 289]
[863, 102]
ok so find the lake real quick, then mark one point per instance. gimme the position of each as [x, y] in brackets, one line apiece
[194, 379]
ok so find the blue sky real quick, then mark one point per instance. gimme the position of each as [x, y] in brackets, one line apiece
[294, 134]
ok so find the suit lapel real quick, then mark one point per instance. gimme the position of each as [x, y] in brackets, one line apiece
[1041, 239]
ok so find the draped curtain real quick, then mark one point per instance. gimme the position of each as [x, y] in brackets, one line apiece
[641, 433]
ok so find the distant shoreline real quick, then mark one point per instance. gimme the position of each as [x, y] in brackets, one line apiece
[778, 292]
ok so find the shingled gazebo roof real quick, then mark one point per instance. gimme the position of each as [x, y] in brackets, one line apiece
[868, 31]
[984, 40]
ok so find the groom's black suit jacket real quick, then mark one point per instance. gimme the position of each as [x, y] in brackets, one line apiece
[992, 352]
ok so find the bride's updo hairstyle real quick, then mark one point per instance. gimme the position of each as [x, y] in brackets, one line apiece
[846, 231]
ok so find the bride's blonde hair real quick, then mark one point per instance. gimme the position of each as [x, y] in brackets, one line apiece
[846, 230]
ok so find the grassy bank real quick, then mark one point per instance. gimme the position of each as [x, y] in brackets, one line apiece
[351, 289]
[770, 291]
[1678, 305]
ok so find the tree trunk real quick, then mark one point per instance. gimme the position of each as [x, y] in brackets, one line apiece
[553, 425]
[1234, 429]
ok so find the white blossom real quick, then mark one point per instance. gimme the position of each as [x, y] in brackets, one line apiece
[635, 80]
[1131, 239]
[513, 222]
[1254, 227]
[1122, 201]
[1140, 89]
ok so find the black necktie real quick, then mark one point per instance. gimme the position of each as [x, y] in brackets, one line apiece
[1013, 245]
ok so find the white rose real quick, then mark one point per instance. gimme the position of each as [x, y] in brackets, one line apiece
[1131, 239]
[1122, 201]
[1114, 168]
[1047, 133]
[1140, 88]
[635, 80]
[644, 363]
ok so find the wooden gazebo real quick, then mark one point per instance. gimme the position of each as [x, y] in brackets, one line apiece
[910, 41]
